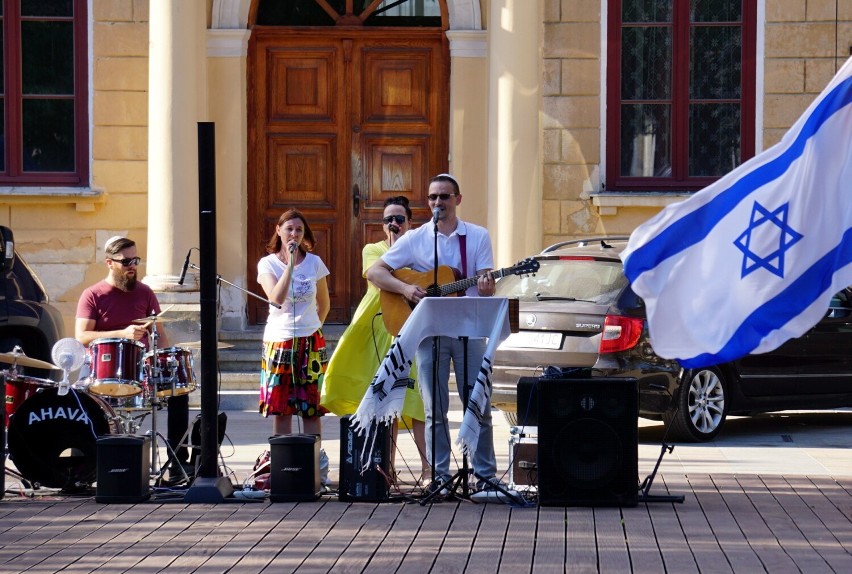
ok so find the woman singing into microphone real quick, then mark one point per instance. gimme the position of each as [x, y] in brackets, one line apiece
[366, 341]
[294, 354]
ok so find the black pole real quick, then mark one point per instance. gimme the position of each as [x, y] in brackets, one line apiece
[208, 487]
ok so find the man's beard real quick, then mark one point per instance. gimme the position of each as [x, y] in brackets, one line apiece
[125, 282]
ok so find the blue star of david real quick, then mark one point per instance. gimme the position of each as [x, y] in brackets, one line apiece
[763, 221]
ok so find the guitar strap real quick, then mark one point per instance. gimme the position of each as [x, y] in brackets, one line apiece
[463, 249]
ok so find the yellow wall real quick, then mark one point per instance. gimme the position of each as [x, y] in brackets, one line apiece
[805, 42]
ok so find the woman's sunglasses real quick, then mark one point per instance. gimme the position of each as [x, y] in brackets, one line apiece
[399, 219]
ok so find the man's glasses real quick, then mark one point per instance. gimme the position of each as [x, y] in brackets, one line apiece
[443, 196]
[400, 219]
[128, 261]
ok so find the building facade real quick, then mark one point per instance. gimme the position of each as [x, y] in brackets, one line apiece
[560, 119]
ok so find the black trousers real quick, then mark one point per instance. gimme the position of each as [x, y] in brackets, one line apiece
[178, 423]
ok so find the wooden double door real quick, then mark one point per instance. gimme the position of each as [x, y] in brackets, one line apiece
[339, 120]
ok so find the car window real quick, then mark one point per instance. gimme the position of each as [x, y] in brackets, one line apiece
[588, 280]
[841, 304]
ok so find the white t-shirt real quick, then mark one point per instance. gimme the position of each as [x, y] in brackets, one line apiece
[416, 249]
[298, 315]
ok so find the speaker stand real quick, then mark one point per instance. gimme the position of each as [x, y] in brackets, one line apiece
[209, 490]
[644, 489]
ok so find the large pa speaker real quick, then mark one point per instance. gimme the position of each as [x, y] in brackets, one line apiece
[3, 432]
[124, 463]
[588, 450]
[372, 485]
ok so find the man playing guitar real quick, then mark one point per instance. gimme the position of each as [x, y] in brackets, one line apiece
[466, 247]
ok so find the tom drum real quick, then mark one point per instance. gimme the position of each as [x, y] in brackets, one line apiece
[116, 367]
[171, 372]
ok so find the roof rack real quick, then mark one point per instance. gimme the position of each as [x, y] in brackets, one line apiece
[584, 242]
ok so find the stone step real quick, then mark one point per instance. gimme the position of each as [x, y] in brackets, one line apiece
[239, 366]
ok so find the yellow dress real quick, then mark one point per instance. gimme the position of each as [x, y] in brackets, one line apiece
[360, 351]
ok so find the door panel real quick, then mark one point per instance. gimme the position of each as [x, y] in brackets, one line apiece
[338, 122]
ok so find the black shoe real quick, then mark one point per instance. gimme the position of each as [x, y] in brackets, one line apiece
[438, 486]
[172, 475]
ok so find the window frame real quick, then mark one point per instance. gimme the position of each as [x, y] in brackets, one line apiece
[14, 174]
[680, 100]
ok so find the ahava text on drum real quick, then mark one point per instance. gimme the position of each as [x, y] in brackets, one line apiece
[50, 413]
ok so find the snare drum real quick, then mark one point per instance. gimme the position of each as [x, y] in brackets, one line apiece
[116, 367]
[171, 372]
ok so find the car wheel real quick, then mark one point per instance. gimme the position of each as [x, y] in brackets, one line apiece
[701, 407]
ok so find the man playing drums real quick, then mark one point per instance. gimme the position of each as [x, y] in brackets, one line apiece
[107, 310]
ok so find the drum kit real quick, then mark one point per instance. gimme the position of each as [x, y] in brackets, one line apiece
[53, 427]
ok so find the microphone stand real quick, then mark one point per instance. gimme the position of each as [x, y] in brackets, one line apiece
[435, 355]
[246, 291]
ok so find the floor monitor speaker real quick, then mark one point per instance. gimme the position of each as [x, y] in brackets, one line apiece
[124, 467]
[588, 451]
[294, 468]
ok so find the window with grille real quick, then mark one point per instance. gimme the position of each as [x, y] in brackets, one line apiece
[422, 13]
[680, 85]
[43, 93]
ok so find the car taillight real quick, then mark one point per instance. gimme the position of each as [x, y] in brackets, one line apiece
[620, 333]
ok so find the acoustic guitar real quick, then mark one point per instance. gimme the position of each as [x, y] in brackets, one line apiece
[396, 308]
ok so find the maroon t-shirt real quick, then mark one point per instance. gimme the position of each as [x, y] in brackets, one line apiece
[114, 309]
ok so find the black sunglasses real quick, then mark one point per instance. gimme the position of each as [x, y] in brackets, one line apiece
[400, 219]
[443, 196]
[127, 262]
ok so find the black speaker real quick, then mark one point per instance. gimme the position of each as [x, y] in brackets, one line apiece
[124, 467]
[527, 408]
[372, 485]
[588, 450]
[3, 431]
[294, 468]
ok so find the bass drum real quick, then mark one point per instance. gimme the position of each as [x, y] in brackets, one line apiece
[53, 439]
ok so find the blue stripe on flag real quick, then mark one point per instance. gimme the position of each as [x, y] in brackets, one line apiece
[694, 227]
[790, 302]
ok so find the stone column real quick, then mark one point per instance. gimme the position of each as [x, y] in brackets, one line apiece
[514, 147]
[176, 103]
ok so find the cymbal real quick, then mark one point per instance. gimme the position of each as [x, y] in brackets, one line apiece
[24, 361]
[197, 345]
[153, 319]
[158, 318]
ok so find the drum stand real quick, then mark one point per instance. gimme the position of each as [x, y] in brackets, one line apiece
[156, 375]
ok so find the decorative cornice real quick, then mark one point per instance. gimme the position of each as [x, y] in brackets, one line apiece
[468, 43]
[227, 43]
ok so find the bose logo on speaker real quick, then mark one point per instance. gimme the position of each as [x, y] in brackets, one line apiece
[118, 470]
[291, 469]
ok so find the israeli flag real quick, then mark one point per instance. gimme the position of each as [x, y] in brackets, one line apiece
[753, 259]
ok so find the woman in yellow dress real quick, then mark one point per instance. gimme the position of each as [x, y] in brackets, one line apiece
[365, 342]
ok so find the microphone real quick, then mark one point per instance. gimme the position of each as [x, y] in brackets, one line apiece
[292, 247]
[436, 213]
[185, 266]
[393, 228]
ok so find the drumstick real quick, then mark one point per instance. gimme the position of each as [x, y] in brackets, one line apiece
[147, 324]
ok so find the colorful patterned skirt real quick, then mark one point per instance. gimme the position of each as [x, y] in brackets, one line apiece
[290, 382]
